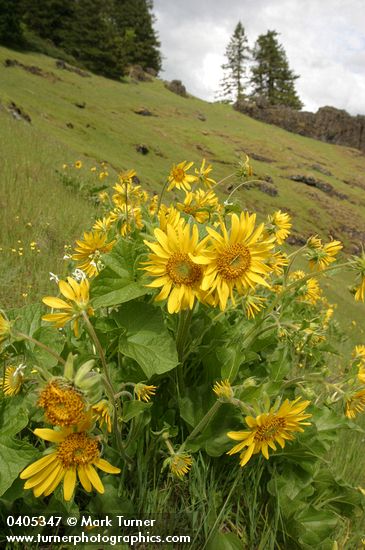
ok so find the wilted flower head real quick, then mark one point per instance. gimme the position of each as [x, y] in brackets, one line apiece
[355, 404]
[143, 392]
[223, 390]
[13, 380]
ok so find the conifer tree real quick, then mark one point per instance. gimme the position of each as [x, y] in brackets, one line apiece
[237, 54]
[271, 77]
[11, 33]
[133, 20]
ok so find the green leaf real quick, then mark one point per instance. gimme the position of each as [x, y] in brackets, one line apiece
[315, 525]
[13, 416]
[15, 455]
[28, 318]
[119, 281]
[131, 409]
[146, 339]
[51, 338]
[195, 403]
[231, 358]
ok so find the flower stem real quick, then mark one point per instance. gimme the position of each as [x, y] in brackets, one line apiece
[41, 345]
[108, 386]
[161, 195]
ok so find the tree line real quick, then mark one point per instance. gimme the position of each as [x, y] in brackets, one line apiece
[260, 72]
[104, 36]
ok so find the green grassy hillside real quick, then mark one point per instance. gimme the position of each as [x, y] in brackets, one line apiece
[93, 119]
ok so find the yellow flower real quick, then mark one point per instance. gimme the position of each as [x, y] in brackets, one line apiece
[13, 380]
[152, 207]
[93, 169]
[169, 216]
[63, 405]
[360, 291]
[179, 178]
[223, 390]
[320, 258]
[180, 464]
[328, 315]
[253, 305]
[359, 352]
[314, 242]
[130, 194]
[279, 225]
[126, 217]
[310, 291]
[355, 405]
[4, 328]
[77, 295]
[78, 164]
[143, 392]
[277, 262]
[203, 175]
[103, 224]
[200, 204]
[76, 454]
[361, 374]
[103, 196]
[235, 260]
[103, 175]
[102, 413]
[89, 250]
[172, 267]
[269, 428]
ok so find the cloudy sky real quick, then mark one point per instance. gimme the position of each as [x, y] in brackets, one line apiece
[323, 39]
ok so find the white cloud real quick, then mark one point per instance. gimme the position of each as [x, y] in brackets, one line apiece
[324, 41]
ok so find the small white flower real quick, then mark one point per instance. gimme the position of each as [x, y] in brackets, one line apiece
[67, 257]
[53, 277]
[79, 275]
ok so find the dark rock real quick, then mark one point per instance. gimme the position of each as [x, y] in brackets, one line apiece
[296, 240]
[143, 112]
[143, 149]
[60, 64]
[201, 117]
[321, 169]
[327, 124]
[32, 69]
[177, 87]
[70, 125]
[268, 179]
[268, 189]
[260, 158]
[136, 72]
[318, 184]
[18, 113]
[80, 105]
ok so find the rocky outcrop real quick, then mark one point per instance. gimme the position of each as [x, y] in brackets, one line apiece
[327, 124]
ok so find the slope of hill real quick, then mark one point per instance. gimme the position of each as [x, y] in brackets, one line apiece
[72, 116]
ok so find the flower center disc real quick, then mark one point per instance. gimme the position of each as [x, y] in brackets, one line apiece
[63, 405]
[178, 174]
[271, 428]
[234, 261]
[182, 270]
[78, 449]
